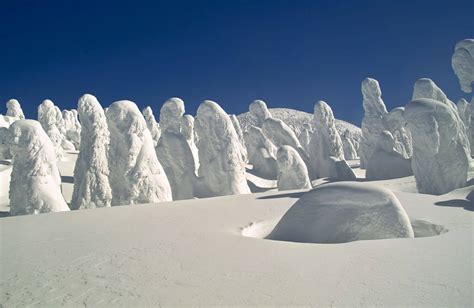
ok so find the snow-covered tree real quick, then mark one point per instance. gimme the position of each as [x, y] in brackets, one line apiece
[292, 171]
[350, 152]
[136, 175]
[174, 152]
[152, 125]
[440, 159]
[187, 130]
[239, 132]
[47, 116]
[14, 109]
[221, 165]
[326, 147]
[386, 162]
[372, 125]
[261, 153]
[395, 123]
[463, 64]
[305, 136]
[5, 152]
[35, 185]
[72, 127]
[91, 172]
[258, 109]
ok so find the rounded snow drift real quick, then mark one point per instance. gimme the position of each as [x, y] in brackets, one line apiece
[344, 212]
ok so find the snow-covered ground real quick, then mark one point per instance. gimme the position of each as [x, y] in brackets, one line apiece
[213, 252]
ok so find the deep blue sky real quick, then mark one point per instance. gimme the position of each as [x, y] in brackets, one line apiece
[288, 53]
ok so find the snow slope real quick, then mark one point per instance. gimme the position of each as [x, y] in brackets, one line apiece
[296, 119]
[194, 252]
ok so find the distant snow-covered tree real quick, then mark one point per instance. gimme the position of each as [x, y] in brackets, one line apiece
[91, 173]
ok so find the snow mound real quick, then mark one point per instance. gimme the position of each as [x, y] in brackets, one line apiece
[296, 120]
[344, 212]
[462, 63]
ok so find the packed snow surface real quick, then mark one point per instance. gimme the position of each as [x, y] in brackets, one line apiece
[192, 253]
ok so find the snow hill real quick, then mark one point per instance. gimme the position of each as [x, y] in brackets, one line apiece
[295, 119]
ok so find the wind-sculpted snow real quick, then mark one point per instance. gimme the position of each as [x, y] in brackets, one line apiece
[395, 123]
[152, 125]
[297, 121]
[259, 111]
[325, 148]
[47, 116]
[72, 127]
[344, 212]
[174, 152]
[386, 162]
[350, 152]
[221, 165]
[35, 185]
[239, 132]
[440, 147]
[91, 172]
[14, 109]
[372, 125]
[292, 171]
[136, 175]
[462, 63]
[261, 153]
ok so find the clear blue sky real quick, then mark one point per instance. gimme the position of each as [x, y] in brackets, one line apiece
[288, 53]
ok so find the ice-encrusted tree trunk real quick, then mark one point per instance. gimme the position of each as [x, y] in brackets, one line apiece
[47, 116]
[395, 123]
[261, 153]
[239, 132]
[372, 125]
[326, 147]
[292, 171]
[152, 124]
[91, 172]
[136, 175]
[14, 109]
[174, 152]
[440, 159]
[35, 184]
[462, 63]
[221, 164]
